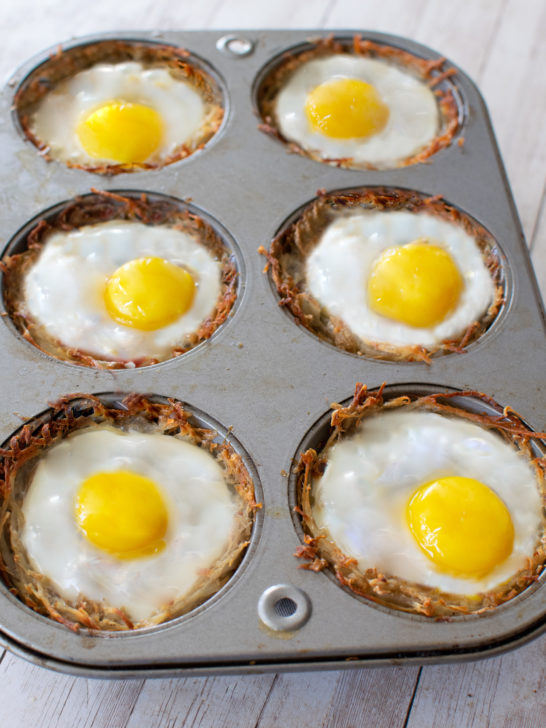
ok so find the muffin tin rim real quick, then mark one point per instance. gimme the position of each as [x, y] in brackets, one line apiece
[223, 433]
[17, 243]
[507, 279]
[23, 74]
[267, 44]
[346, 37]
[391, 391]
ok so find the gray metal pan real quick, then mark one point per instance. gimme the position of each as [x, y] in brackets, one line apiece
[271, 381]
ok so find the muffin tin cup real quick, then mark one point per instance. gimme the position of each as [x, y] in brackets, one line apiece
[269, 380]
[79, 56]
[168, 208]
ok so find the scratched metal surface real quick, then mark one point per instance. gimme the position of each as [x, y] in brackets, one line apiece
[270, 381]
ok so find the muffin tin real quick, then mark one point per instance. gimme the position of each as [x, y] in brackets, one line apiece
[270, 382]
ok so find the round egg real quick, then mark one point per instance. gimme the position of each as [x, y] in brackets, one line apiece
[423, 510]
[352, 107]
[127, 518]
[121, 515]
[122, 291]
[400, 278]
[388, 273]
[122, 114]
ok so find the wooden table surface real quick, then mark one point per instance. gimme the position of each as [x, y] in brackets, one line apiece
[500, 44]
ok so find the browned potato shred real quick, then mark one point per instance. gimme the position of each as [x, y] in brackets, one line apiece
[290, 249]
[98, 208]
[433, 72]
[75, 412]
[67, 63]
[320, 551]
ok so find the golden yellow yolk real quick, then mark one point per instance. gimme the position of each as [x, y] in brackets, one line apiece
[148, 293]
[121, 132]
[122, 513]
[417, 284]
[345, 108]
[461, 525]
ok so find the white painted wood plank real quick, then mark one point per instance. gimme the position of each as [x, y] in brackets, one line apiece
[399, 17]
[220, 702]
[515, 91]
[367, 698]
[278, 14]
[464, 34]
[32, 696]
[505, 692]
[32, 26]
[307, 699]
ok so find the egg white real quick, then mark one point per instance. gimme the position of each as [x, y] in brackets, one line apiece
[370, 476]
[338, 269]
[55, 121]
[201, 513]
[63, 290]
[414, 118]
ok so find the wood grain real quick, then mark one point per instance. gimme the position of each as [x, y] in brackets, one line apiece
[32, 696]
[378, 697]
[499, 43]
[202, 702]
[518, 108]
[505, 692]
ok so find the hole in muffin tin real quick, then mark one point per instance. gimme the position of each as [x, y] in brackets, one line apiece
[62, 63]
[235, 46]
[284, 607]
[116, 205]
[274, 74]
[81, 406]
[316, 438]
[289, 281]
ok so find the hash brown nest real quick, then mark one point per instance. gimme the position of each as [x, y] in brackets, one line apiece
[289, 251]
[103, 207]
[66, 63]
[19, 458]
[433, 73]
[321, 552]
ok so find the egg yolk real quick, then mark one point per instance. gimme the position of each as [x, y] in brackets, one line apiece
[148, 293]
[122, 513]
[121, 132]
[417, 284]
[461, 525]
[344, 108]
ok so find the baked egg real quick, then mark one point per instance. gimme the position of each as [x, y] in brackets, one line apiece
[424, 506]
[388, 273]
[119, 282]
[124, 515]
[359, 105]
[117, 106]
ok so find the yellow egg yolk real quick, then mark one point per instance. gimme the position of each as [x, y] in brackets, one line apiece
[121, 132]
[148, 293]
[417, 284]
[461, 525]
[345, 108]
[122, 513]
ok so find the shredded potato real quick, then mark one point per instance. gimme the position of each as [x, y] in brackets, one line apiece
[103, 207]
[320, 552]
[75, 412]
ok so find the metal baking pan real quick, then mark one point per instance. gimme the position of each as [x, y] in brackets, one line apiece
[270, 381]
